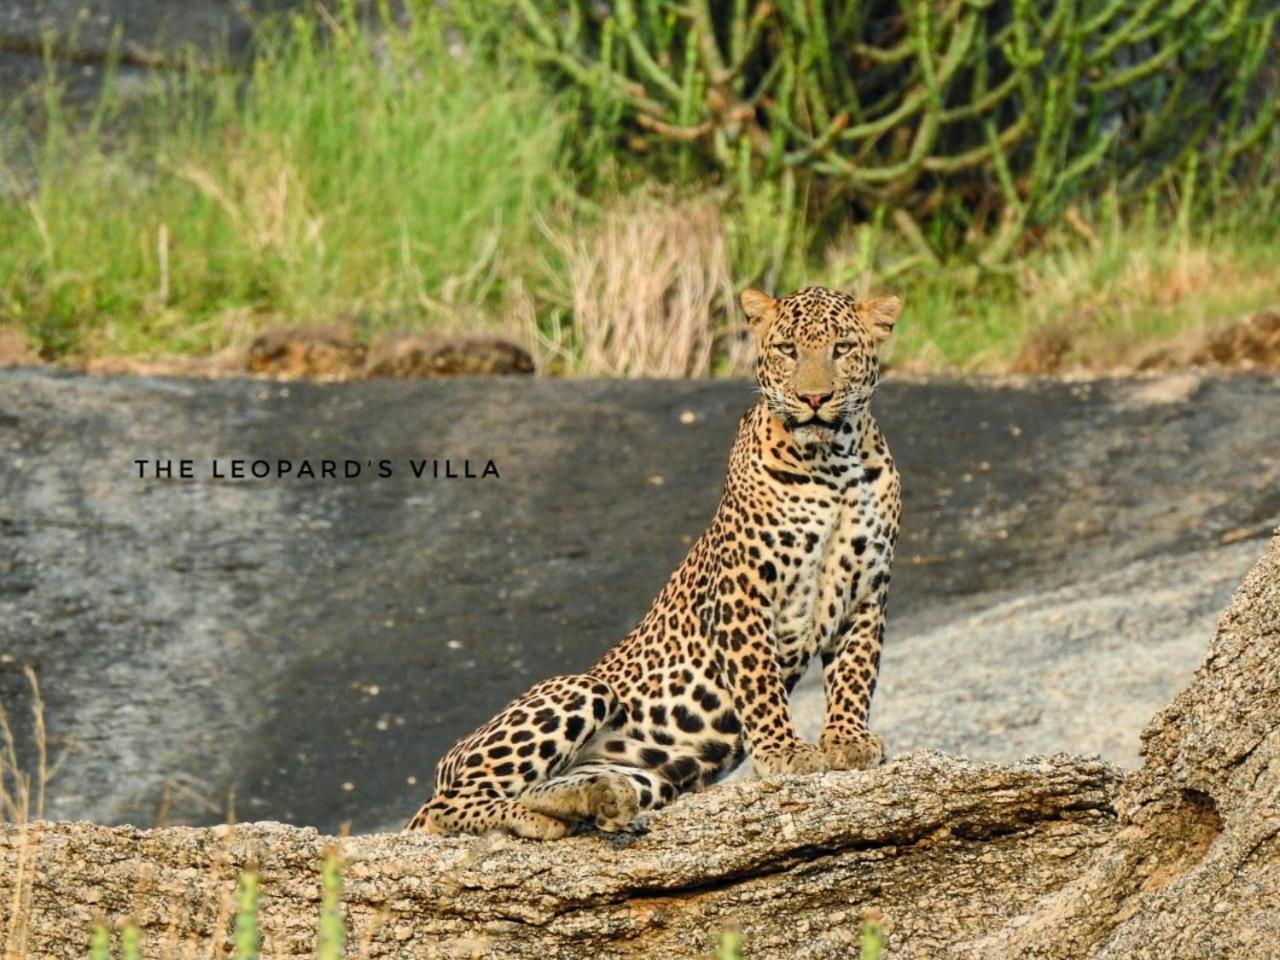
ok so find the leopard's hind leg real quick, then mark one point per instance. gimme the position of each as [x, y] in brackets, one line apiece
[531, 740]
[473, 811]
[610, 795]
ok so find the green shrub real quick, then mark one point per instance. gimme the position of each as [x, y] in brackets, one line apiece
[427, 172]
[973, 122]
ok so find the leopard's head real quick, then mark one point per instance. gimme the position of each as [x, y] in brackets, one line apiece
[818, 354]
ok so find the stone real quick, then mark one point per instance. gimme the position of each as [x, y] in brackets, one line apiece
[1050, 858]
[213, 645]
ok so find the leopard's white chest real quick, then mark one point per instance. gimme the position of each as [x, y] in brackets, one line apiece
[804, 548]
[823, 585]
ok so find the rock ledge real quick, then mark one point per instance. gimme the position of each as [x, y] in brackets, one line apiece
[1053, 857]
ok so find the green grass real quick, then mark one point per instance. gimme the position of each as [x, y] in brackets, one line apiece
[380, 177]
[246, 937]
[387, 180]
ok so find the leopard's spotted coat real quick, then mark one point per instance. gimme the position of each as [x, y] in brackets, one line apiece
[795, 564]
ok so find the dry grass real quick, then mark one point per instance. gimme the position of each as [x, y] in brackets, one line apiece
[21, 803]
[22, 799]
[651, 294]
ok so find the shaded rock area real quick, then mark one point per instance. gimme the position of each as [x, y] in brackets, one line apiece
[325, 352]
[151, 32]
[1056, 858]
[78, 39]
[1250, 343]
[143, 35]
[314, 645]
[335, 353]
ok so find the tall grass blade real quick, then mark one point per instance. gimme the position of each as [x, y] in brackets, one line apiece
[246, 939]
[331, 935]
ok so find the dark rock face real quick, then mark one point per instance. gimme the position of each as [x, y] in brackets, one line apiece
[142, 33]
[153, 34]
[316, 643]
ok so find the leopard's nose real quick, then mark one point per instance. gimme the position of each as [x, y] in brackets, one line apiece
[815, 400]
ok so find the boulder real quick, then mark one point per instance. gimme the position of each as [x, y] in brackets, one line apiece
[435, 355]
[1057, 858]
[304, 650]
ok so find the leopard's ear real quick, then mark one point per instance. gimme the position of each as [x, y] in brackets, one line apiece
[761, 310]
[880, 314]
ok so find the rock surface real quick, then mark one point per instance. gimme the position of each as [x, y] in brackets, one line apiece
[1250, 342]
[1056, 858]
[147, 35]
[335, 353]
[314, 644]
[808, 853]
[1194, 870]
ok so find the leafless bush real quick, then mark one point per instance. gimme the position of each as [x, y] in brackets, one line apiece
[650, 294]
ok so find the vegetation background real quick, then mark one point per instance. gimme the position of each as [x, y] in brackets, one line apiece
[1047, 183]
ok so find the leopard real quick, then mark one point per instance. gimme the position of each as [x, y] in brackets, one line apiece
[795, 564]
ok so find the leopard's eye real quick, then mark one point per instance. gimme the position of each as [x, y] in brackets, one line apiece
[841, 348]
[787, 350]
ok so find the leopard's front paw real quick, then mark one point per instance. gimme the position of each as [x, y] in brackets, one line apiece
[857, 753]
[796, 757]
